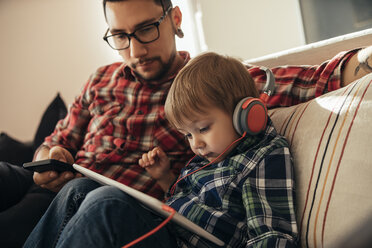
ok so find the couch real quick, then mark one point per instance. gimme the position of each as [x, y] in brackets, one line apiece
[17, 152]
[331, 142]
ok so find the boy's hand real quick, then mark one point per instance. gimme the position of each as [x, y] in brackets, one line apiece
[156, 163]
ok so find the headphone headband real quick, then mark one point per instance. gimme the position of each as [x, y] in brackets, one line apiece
[269, 86]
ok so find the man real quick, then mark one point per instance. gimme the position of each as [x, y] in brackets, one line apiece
[131, 106]
[119, 115]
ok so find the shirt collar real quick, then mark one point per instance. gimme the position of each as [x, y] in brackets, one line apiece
[250, 141]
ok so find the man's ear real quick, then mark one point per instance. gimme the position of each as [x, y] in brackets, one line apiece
[177, 17]
[176, 21]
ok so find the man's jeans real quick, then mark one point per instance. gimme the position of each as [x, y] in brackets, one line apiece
[86, 214]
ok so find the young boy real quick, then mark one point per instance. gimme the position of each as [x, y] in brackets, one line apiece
[240, 188]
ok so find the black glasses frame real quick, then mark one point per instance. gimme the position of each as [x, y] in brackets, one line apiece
[133, 34]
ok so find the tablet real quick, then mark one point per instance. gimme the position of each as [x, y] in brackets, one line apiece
[150, 202]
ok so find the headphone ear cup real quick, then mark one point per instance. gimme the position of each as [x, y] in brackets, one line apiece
[250, 115]
[237, 116]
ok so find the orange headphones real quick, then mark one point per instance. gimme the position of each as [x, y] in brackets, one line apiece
[250, 114]
[250, 117]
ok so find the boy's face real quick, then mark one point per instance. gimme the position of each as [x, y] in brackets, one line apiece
[210, 134]
[151, 61]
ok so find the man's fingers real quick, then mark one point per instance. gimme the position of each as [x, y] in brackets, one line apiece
[52, 181]
[45, 177]
[60, 153]
[56, 153]
[59, 182]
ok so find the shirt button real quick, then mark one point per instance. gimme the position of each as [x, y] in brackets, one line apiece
[97, 166]
[140, 112]
[132, 138]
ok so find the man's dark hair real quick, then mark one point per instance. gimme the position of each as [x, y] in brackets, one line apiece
[165, 4]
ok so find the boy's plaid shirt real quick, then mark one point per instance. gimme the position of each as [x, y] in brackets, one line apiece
[117, 118]
[246, 200]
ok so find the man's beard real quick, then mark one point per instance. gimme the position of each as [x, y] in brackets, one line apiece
[164, 68]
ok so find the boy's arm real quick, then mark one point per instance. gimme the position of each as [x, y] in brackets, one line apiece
[268, 196]
[297, 84]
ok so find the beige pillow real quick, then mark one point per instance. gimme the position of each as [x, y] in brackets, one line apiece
[331, 142]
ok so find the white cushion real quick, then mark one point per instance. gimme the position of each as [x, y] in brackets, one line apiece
[331, 142]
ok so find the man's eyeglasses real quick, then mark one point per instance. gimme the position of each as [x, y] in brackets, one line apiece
[145, 34]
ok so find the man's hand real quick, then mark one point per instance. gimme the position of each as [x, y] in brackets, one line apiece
[354, 68]
[51, 179]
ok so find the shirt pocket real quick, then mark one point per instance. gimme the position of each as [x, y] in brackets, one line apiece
[140, 128]
[102, 107]
[102, 117]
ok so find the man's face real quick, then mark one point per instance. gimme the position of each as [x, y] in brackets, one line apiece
[149, 61]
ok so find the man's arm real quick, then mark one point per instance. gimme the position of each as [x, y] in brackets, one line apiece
[296, 84]
[359, 65]
[65, 140]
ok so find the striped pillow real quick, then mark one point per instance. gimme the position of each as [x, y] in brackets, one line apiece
[331, 143]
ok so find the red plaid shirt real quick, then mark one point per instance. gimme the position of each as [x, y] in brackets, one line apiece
[117, 118]
[296, 84]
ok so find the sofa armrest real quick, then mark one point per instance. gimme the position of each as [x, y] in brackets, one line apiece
[330, 140]
[315, 53]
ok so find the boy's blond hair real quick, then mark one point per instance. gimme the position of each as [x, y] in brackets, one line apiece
[208, 80]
